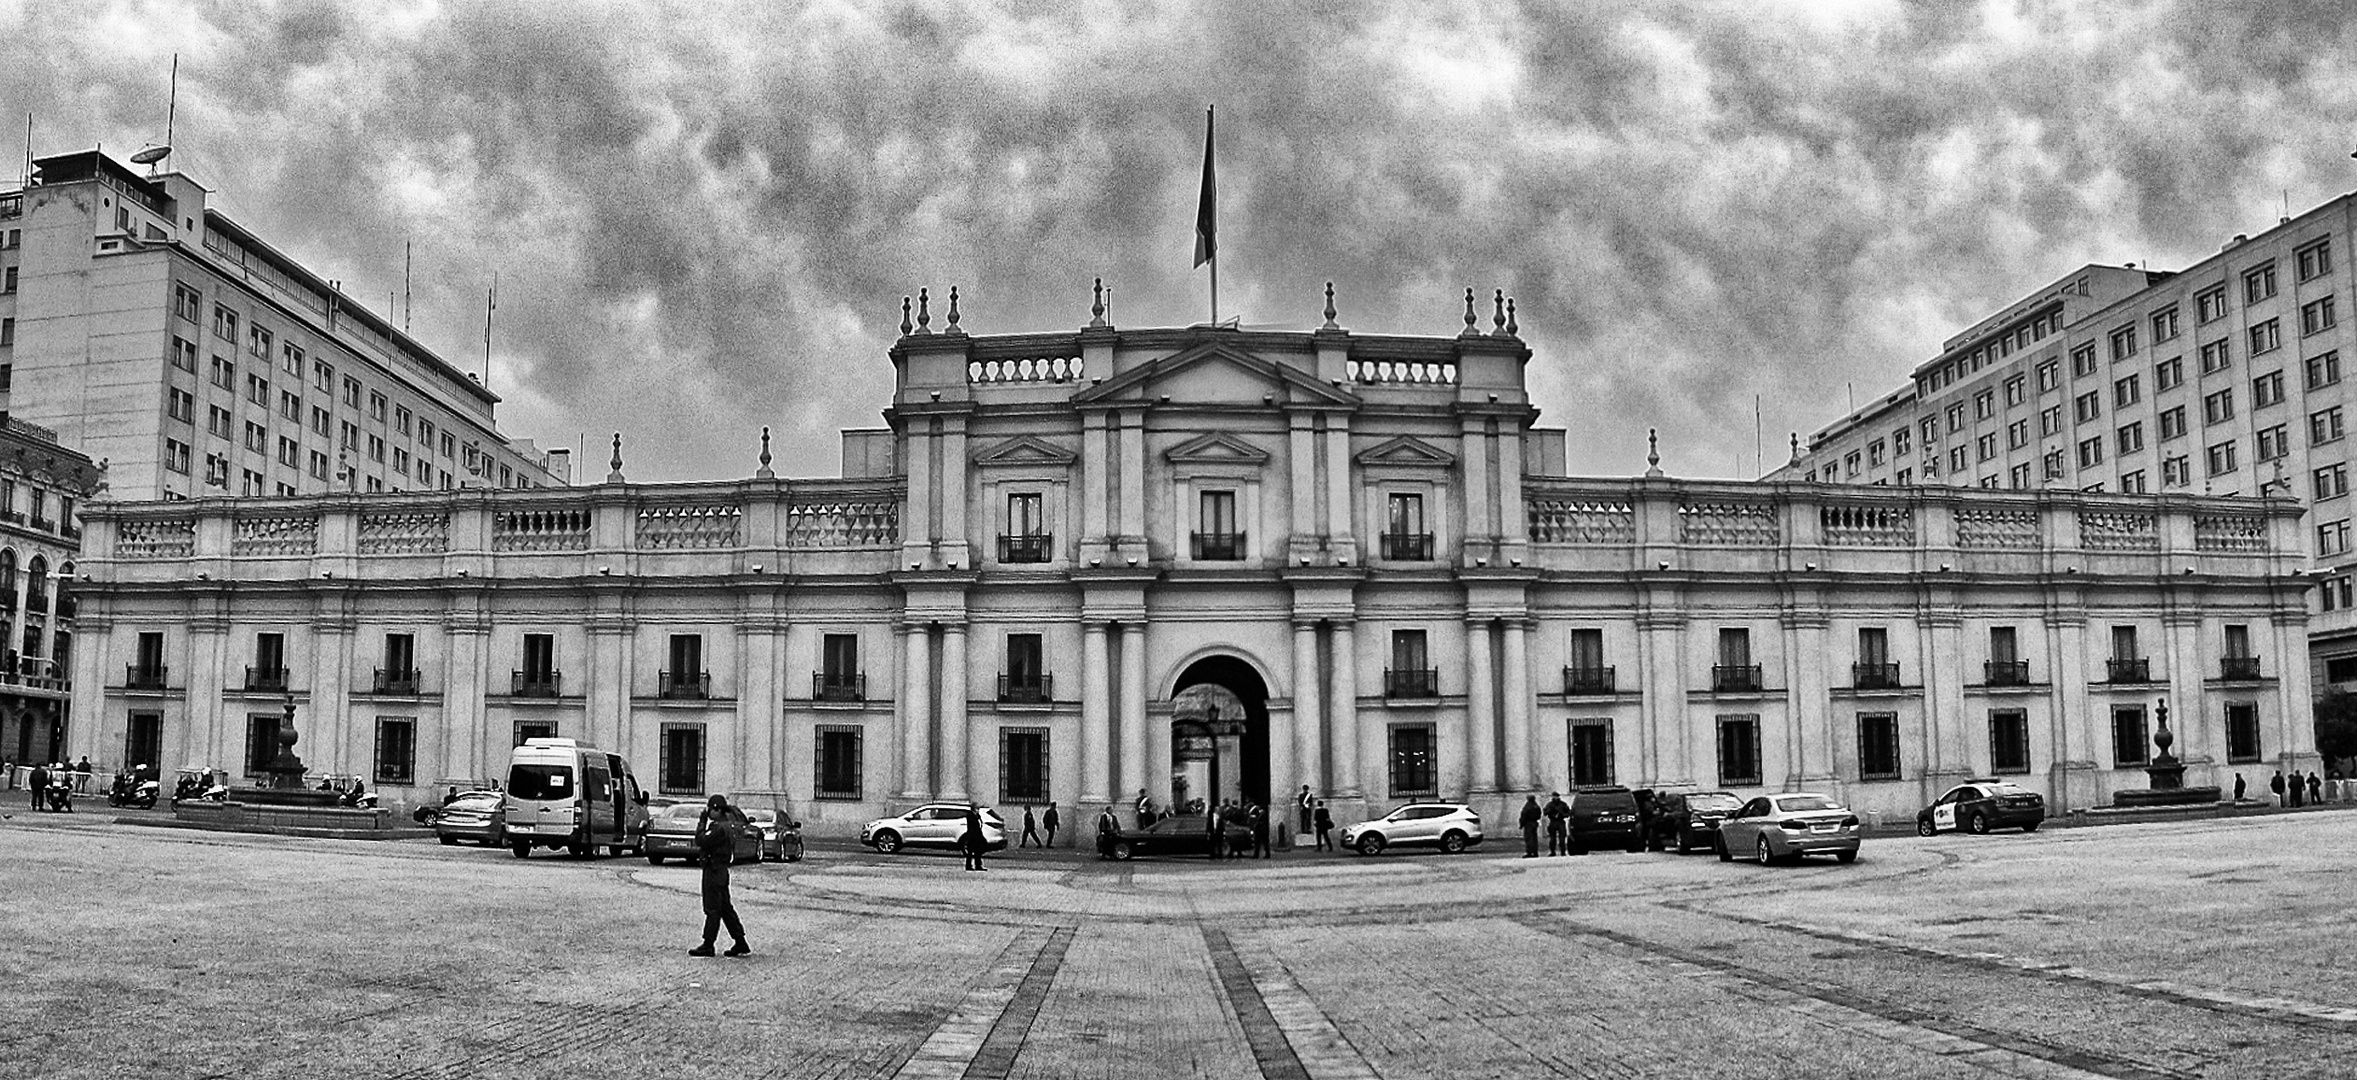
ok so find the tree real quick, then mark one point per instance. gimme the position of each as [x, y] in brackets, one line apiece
[2336, 725]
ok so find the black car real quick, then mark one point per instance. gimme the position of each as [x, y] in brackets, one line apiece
[1605, 817]
[1183, 834]
[1687, 820]
[1980, 805]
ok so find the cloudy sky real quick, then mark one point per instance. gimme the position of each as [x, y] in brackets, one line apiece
[703, 217]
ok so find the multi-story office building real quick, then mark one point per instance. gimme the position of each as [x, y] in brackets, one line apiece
[153, 333]
[2225, 378]
[1208, 563]
[41, 485]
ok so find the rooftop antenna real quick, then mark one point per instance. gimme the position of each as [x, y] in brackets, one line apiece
[151, 156]
[404, 286]
[28, 178]
[490, 304]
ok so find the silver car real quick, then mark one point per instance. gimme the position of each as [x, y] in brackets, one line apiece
[1451, 827]
[931, 825]
[1774, 828]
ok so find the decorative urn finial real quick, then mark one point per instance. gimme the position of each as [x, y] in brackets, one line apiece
[953, 328]
[764, 473]
[1653, 452]
[1469, 331]
[1330, 323]
[905, 325]
[1498, 319]
[615, 477]
[924, 312]
[1096, 307]
[1513, 329]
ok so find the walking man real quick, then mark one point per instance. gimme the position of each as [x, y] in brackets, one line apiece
[1558, 824]
[1030, 830]
[1108, 828]
[971, 839]
[1260, 831]
[1218, 837]
[40, 780]
[2297, 786]
[1530, 827]
[1050, 821]
[1324, 823]
[716, 842]
[2238, 787]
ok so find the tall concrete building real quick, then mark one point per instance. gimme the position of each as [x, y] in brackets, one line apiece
[1209, 563]
[2224, 378]
[152, 332]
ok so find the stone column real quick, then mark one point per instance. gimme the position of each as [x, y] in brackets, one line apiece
[2080, 723]
[607, 691]
[957, 769]
[1133, 476]
[1480, 520]
[1340, 509]
[1355, 748]
[1308, 717]
[1133, 709]
[916, 712]
[1095, 717]
[463, 751]
[1516, 705]
[1158, 754]
[1480, 771]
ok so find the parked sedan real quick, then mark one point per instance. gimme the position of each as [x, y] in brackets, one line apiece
[476, 816]
[781, 836]
[1690, 819]
[1183, 834]
[931, 825]
[1774, 828]
[1451, 827]
[671, 834]
[1982, 805]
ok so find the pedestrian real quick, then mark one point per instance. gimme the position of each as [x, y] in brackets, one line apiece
[83, 766]
[450, 796]
[2339, 792]
[1217, 837]
[1558, 824]
[2276, 786]
[1145, 809]
[1030, 830]
[971, 839]
[2315, 790]
[1049, 820]
[1307, 806]
[2297, 787]
[40, 784]
[1323, 822]
[2238, 787]
[1108, 829]
[716, 842]
[1530, 827]
[1260, 831]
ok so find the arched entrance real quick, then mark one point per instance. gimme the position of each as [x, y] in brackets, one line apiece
[1219, 733]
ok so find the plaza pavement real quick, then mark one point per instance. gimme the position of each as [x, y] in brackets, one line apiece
[2211, 948]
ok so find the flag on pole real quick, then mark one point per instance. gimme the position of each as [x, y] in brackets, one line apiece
[1206, 231]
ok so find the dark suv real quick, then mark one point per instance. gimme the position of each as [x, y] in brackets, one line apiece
[1690, 819]
[1605, 817]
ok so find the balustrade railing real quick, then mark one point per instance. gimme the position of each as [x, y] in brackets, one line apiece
[2006, 672]
[1407, 547]
[1411, 682]
[1026, 690]
[145, 676]
[838, 686]
[1735, 678]
[535, 684]
[1025, 548]
[2128, 670]
[1870, 676]
[684, 685]
[1589, 680]
[2238, 668]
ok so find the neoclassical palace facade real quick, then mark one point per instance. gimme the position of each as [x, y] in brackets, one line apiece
[1208, 562]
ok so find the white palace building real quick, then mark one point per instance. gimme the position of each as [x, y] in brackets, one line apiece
[1207, 562]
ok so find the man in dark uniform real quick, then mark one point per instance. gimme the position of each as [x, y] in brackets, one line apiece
[1324, 821]
[1530, 827]
[1218, 836]
[1307, 804]
[716, 841]
[1108, 829]
[1558, 824]
[41, 785]
[1050, 820]
[1260, 831]
[1030, 830]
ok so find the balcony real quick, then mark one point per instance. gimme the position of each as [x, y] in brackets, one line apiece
[1025, 547]
[684, 685]
[2238, 668]
[41, 524]
[2138, 670]
[838, 686]
[1026, 690]
[70, 531]
[1883, 676]
[1407, 547]
[2006, 672]
[539, 684]
[13, 517]
[146, 676]
[403, 683]
[1218, 547]
[1735, 678]
[1411, 682]
[1589, 680]
[266, 680]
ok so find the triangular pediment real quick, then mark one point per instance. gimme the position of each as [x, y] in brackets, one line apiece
[1407, 451]
[1217, 372]
[1026, 450]
[1217, 448]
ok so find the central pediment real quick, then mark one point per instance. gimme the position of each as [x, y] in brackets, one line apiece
[1025, 450]
[1217, 373]
[1217, 448]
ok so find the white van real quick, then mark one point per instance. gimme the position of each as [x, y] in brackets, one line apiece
[563, 794]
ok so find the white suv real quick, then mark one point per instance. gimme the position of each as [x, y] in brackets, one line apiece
[1452, 827]
[931, 825]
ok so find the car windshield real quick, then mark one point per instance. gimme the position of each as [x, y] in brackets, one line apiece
[1712, 802]
[762, 816]
[1806, 802]
[2009, 789]
[682, 812]
[540, 781]
[481, 800]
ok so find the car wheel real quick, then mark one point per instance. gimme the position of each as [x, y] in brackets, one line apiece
[795, 857]
[887, 842]
[1371, 844]
[1767, 854]
[1453, 843]
[1924, 827]
[2030, 827]
[1683, 846]
[654, 860]
[449, 841]
[522, 849]
[1978, 824]
[1845, 856]
[1720, 845]
[1122, 851]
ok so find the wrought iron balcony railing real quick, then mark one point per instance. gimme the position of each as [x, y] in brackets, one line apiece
[1028, 690]
[2238, 668]
[1735, 678]
[266, 679]
[1407, 547]
[535, 684]
[1025, 547]
[838, 686]
[684, 685]
[396, 682]
[145, 677]
[2007, 672]
[1883, 676]
[2138, 670]
[1219, 547]
[1588, 680]
[1411, 682]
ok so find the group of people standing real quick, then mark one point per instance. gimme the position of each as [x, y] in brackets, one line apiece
[53, 783]
[2300, 789]
[1557, 816]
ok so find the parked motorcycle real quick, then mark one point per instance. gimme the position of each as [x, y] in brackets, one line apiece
[134, 789]
[61, 796]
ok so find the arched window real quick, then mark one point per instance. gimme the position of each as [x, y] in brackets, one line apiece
[7, 579]
[37, 584]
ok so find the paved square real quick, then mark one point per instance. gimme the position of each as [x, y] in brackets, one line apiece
[2197, 949]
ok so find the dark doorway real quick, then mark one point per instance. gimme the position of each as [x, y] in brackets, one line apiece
[1240, 744]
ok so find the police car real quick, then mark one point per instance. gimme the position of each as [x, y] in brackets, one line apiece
[1981, 805]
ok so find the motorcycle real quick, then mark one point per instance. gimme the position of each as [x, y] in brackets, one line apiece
[61, 796]
[134, 790]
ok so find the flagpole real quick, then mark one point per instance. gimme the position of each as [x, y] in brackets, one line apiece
[1206, 218]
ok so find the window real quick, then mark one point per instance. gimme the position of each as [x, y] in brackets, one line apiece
[1218, 537]
[2127, 735]
[318, 465]
[838, 770]
[2218, 407]
[400, 462]
[1404, 535]
[323, 376]
[2332, 481]
[2176, 471]
[2056, 466]
[2127, 392]
[1411, 673]
[290, 360]
[1850, 466]
[1899, 442]
[2211, 304]
[2332, 538]
[2338, 593]
[290, 453]
[351, 391]
[2123, 342]
[684, 677]
[261, 742]
[2172, 423]
[182, 406]
[2274, 442]
[2164, 324]
[258, 343]
[2216, 355]
[2132, 483]
[2325, 426]
[1956, 418]
[1988, 446]
[839, 677]
[1591, 753]
[681, 770]
[2267, 390]
[376, 406]
[2131, 437]
[1026, 678]
[2266, 336]
[376, 449]
[290, 405]
[401, 419]
[1984, 404]
[251, 483]
[539, 673]
[2009, 741]
[187, 303]
[2242, 733]
[2019, 478]
[2316, 317]
[1023, 765]
[396, 749]
[183, 354]
[1876, 454]
[2168, 374]
[2083, 361]
[224, 374]
[348, 435]
[2324, 369]
[1905, 477]
[257, 438]
[2050, 420]
[1878, 746]
[321, 420]
[217, 471]
[425, 436]
[1956, 460]
[1931, 432]
[225, 325]
[2016, 392]
[2258, 284]
[2049, 376]
[1412, 765]
[2090, 452]
[176, 455]
[2221, 458]
[2314, 261]
[2087, 406]
[258, 390]
[2017, 434]
[1739, 751]
[448, 442]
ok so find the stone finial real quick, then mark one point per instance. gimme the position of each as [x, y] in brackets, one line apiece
[1330, 323]
[924, 312]
[1796, 448]
[764, 472]
[1096, 306]
[1469, 331]
[1498, 320]
[952, 328]
[615, 477]
[905, 325]
[1513, 329]
[1653, 452]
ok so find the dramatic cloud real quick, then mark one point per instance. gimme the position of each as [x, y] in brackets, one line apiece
[703, 217]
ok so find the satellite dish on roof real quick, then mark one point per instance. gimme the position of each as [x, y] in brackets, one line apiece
[151, 155]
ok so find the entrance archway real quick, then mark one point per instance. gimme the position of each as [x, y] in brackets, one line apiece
[1219, 728]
